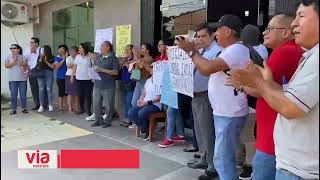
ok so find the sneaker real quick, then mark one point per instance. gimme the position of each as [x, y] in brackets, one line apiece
[162, 130]
[208, 175]
[105, 125]
[91, 118]
[246, 173]
[13, 112]
[142, 134]
[166, 143]
[132, 126]
[41, 109]
[95, 124]
[25, 111]
[35, 108]
[50, 108]
[146, 137]
[179, 139]
[104, 116]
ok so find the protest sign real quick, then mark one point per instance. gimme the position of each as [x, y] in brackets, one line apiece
[102, 35]
[181, 71]
[168, 95]
[158, 69]
[123, 38]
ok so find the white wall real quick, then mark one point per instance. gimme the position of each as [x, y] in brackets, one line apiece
[23, 34]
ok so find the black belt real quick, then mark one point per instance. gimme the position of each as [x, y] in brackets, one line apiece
[200, 93]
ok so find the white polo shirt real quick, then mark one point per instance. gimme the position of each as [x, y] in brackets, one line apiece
[297, 140]
[32, 58]
[222, 98]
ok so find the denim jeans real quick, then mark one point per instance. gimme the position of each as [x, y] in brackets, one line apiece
[282, 174]
[137, 92]
[140, 115]
[14, 87]
[46, 82]
[175, 123]
[227, 131]
[126, 101]
[264, 166]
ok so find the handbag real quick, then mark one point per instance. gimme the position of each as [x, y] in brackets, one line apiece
[37, 72]
[136, 74]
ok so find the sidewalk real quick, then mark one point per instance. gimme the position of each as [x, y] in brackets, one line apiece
[53, 130]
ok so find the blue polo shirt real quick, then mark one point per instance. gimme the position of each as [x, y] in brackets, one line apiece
[61, 72]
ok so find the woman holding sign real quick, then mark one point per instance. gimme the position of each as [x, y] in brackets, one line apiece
[148, 103]
[143, 58]
[126, 84]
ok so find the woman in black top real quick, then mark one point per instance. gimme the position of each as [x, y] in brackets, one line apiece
[45, 63]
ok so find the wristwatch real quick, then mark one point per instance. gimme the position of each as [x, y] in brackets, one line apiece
[193, 52]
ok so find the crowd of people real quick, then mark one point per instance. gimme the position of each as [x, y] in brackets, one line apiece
[277, 138]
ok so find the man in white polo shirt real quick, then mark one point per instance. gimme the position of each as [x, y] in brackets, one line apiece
[296, 131]
[230, 108]
[32, 57]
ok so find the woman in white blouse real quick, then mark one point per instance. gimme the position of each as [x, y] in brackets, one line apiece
[82, 64]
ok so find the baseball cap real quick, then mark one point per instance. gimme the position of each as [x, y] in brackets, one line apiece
[250, 35]
[231, 21]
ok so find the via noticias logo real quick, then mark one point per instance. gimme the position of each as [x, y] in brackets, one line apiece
[53, 159]
[37, 159]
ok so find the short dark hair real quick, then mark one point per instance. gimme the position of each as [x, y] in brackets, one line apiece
[314, 3]
[130, 46]
[85, 47]
[109, 44]
[63, 46]
[206, 26]
[36, 40]
[74, 48]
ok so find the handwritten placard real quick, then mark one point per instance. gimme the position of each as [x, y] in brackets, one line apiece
[181, 71]
[168, 95]
[102, 35]
[123, 38]
[158, 70]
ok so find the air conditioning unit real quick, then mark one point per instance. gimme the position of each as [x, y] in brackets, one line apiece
[14, 12]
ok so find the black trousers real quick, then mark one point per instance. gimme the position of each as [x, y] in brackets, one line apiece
[85, 93]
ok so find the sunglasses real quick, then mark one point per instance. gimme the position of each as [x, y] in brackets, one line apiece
[13, 48]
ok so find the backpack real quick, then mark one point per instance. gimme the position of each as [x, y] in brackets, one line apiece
[257, 59]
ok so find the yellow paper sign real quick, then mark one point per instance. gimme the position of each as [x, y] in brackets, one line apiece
[123, 38]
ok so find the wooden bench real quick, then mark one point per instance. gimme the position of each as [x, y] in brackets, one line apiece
[154, 118]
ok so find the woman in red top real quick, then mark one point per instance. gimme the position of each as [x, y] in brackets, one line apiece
[162, 50]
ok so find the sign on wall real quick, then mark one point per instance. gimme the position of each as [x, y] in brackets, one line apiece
[102, 35]
[123, 38]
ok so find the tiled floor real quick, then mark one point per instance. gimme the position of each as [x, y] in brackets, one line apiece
[67, 131]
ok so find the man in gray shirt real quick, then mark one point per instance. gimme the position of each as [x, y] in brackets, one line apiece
[107, 66]
[201, 108]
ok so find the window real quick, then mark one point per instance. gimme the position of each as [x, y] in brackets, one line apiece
[179, 16]
[73, 25]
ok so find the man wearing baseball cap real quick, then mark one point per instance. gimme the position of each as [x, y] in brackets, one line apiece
[230, 108]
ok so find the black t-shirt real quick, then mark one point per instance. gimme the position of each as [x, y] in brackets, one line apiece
[42, 65]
